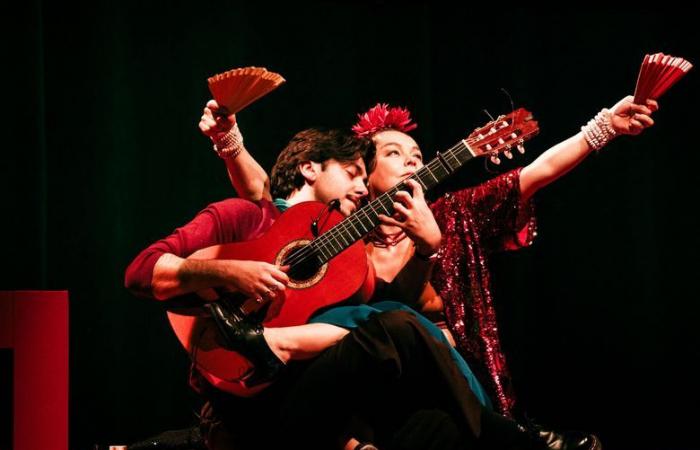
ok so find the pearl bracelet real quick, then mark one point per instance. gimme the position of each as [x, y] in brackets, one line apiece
[599, 131]
[230, 145]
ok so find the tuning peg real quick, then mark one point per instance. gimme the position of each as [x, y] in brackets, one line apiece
[488, 147]
[493, 130]
[494, 159]
[508, 154]
[521, 148]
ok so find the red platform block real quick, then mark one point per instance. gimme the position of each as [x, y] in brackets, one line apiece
[34, 324]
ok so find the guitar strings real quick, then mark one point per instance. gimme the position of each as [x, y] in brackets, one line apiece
[315, 246]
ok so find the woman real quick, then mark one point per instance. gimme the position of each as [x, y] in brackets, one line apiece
[495, 215]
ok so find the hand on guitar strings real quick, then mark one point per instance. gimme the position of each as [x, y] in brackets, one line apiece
[256, 279]
[413, 216]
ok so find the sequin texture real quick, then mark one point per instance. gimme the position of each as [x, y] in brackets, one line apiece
[476, 222]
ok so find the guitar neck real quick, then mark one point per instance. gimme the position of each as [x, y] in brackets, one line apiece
[364, 220]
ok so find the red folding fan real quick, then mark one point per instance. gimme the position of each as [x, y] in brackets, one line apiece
[658, 73]
[238, 88]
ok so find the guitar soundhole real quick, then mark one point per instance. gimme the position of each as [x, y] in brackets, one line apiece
[305, 269]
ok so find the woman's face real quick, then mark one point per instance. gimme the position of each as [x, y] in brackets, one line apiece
[397, 156]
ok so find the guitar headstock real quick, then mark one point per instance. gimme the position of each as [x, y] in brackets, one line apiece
[503, 134]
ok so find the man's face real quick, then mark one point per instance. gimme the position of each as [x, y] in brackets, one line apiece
[342, 180]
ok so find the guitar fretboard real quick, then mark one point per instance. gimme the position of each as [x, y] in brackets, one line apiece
[364, 220]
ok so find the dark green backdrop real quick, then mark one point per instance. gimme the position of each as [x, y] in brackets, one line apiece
[102, 155]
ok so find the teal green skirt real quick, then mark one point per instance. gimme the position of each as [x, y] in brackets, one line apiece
[353, 316]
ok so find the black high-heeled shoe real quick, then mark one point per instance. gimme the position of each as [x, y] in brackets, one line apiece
[562, 440]
[247, 339]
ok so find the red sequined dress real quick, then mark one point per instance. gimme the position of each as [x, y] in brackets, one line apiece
[476, 222]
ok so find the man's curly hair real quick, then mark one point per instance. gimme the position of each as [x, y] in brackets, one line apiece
[315, 145]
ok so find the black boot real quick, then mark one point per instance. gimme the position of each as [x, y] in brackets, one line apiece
[247, 339]
[499, 432]
[186, 439]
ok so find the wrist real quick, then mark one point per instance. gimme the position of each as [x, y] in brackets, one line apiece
[425, 254]
[229, 145]
[599, 130]
[209, 273]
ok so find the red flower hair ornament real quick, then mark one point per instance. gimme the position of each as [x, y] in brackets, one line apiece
[380, 118]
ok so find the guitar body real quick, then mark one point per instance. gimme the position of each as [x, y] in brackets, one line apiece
[344, 277]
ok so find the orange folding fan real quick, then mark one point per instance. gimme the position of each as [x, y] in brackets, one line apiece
[658, 73]
[238, 88]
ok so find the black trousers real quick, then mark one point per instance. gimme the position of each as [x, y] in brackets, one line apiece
[389, 372]
[393, 374]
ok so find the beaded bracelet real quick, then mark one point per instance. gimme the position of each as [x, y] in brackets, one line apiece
[599, 131]
[230, 145]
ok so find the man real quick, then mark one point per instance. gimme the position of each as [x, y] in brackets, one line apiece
[328, 166]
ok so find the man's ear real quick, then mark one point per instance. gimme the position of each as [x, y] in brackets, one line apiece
[310, 170]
